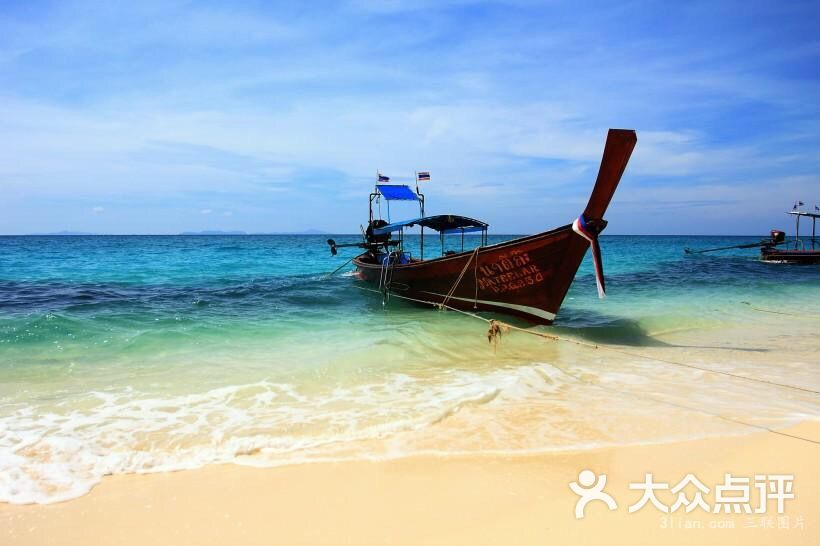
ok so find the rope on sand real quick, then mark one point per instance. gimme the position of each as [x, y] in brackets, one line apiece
[801, 315]
[689, 408]
[497, 327]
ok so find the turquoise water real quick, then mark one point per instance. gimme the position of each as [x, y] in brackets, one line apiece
[152, 353]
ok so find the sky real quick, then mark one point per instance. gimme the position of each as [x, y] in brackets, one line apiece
[163, 117]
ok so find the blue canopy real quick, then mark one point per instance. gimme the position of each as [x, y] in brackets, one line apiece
[397, 193]
[445, 223]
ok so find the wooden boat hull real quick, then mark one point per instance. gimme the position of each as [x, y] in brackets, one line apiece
[527, 277]
[774, 255]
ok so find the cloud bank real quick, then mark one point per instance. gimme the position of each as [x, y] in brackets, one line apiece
[276, 118]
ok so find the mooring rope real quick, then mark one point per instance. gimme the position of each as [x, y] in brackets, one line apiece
[495, 324]
[337, 269]
[800, 315]
[460, 276]
[496, 328]
[384, 285]
[688, 408]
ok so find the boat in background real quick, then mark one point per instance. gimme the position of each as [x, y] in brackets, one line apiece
[794, 252]
[799, 253]
[527, 277]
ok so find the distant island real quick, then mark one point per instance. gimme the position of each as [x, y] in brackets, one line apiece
[65, 233]
[217, 232]
[213, 232]
[303, 232]
[205, 232]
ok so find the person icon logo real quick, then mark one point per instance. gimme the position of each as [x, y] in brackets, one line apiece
[590, 487]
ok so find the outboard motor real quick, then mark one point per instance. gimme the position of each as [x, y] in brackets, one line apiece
[376, 239]
[372, 242]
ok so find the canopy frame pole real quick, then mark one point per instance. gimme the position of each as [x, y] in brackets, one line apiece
[421, 206]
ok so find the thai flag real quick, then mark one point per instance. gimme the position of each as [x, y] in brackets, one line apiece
[383, 178]
[423, 176]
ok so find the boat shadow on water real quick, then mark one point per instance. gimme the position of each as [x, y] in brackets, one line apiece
[600, 328]
[573, 323]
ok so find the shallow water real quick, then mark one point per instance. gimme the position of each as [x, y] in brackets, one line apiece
[138, 354]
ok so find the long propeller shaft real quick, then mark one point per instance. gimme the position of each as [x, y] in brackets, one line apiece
[748, 245]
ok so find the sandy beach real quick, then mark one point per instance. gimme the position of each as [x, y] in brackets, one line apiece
[429, 500]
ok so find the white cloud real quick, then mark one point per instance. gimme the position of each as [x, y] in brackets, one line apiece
[98, 210]
[273, 117]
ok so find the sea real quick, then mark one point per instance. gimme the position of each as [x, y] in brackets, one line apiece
[137, 354]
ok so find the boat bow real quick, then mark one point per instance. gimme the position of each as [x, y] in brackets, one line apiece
[590, 224]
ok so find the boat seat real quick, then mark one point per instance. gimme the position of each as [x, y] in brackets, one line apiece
[403, 258]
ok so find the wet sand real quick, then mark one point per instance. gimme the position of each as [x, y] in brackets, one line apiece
[430, 500]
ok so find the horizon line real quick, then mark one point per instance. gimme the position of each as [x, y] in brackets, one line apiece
[302, 234]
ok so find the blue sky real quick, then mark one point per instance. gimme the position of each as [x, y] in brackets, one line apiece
[161, 117]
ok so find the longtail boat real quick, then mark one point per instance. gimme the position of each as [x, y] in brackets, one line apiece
[527, 277]
[798, 251]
